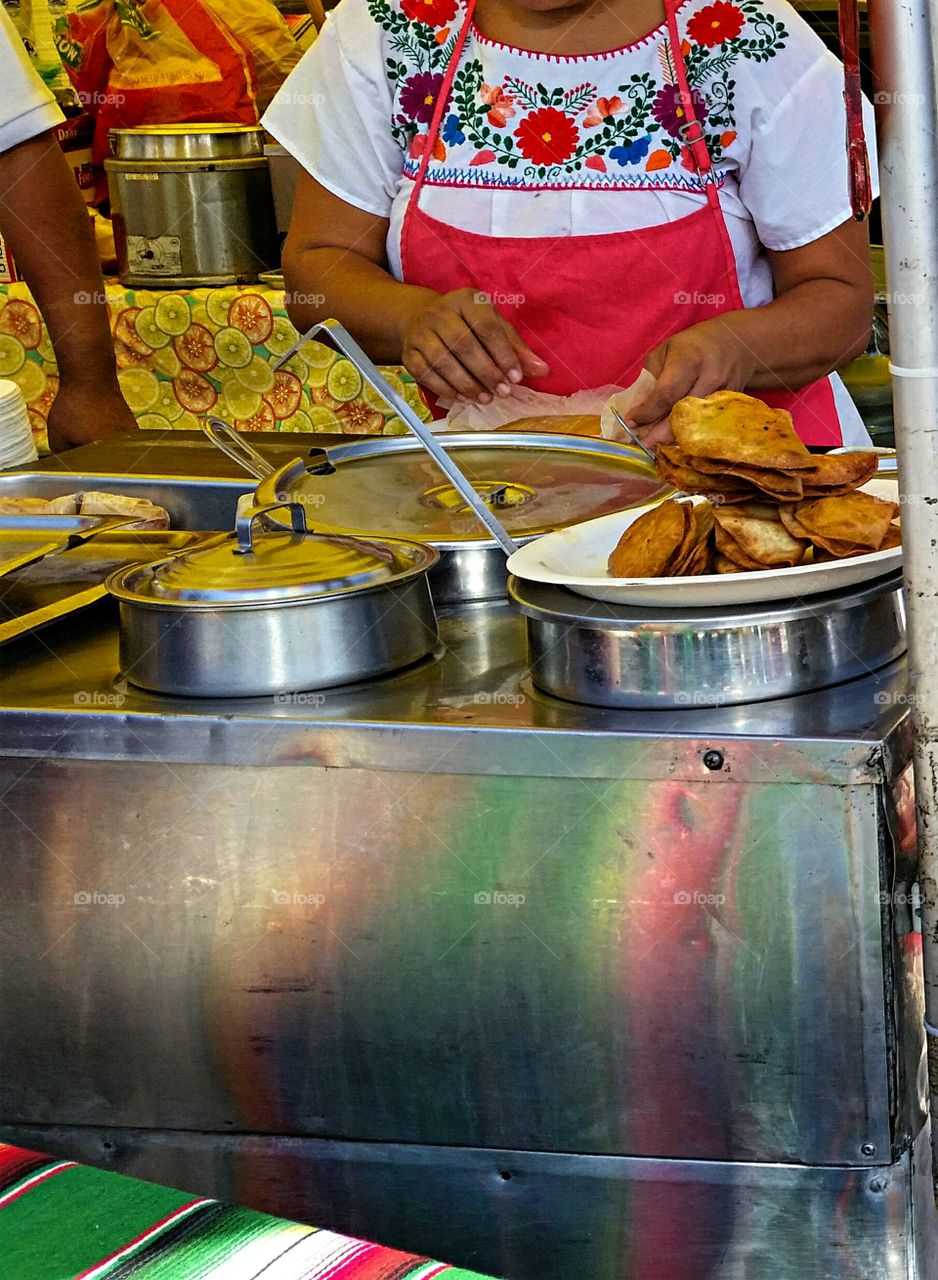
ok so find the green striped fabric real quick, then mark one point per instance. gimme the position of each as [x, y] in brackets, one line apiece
[64, 1221]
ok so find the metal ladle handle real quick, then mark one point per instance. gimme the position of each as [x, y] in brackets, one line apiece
[235, 447]
[339, 337]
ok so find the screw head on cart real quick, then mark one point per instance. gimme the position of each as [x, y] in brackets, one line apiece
[713, 760]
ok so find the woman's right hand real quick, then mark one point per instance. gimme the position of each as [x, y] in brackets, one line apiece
[459, 347]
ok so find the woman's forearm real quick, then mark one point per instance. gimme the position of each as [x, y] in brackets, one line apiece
[800, 336]
[339, 284]
[46, 224]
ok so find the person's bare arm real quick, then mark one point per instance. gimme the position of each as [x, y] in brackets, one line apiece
[820, 318]
[335, 267]
[44, 221]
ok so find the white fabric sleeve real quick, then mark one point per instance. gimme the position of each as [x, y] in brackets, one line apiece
[27, 107]
[333, 113]
[795, 183]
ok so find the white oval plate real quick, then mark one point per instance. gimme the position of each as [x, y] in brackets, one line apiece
[576, 558]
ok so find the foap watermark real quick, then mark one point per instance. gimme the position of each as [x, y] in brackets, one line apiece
[85, 299]
[900, 698]
[304, 299]
[884, 97]
[686, 299]
[694, 898]
[495, 898]
[294, 899]
[701, 698]
[312, 500]
[906, 898]
[302, 699]
[101, 98]
[95, 698]
[296, 98]
[95, 898]
[500, 699]
[903, 299]
[499, 299]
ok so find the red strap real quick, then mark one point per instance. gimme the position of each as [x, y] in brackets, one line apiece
[692, 131]
[861, 186]
[443, 98]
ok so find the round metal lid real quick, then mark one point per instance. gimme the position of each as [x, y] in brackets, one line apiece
[281, 568]
[188, 142]
[534, 482]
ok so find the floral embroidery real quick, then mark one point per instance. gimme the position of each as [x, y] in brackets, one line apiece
[716, 23]
[547, 136]
[521, 134]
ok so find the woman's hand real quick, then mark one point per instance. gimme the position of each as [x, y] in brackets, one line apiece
[695, 362]
[83, 412]
[457, 345]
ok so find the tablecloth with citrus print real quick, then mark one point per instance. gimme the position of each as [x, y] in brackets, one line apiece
[187, 353]
[63, 1221]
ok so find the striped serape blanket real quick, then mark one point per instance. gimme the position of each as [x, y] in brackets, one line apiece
[64, 1221]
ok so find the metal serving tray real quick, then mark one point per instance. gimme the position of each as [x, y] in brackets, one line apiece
[192, 502]
[64, 583]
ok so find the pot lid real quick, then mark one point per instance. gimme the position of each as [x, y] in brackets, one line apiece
[188, 142]
[280, 567]
[534, 482]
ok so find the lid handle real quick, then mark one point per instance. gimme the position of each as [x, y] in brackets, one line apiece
[249, 511]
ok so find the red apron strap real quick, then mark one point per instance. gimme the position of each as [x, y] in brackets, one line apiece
[443, 97]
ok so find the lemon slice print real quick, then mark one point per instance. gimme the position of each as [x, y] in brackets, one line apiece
[167, 405]
[299, 421]
[233, 349]
[344, 382]
[200, 315]
[324, 419]
[31, 380]
[166, 362]
[172, 315]
[317, 355]
[140, 388]
[257, 376]
[186, 422]
[153, 422]
[218, 304]
[149, 330]
[239, 401]
[45, 348]
[12, 355]
[295, 365]
[374, 401]
[282, 337]
[317, 377]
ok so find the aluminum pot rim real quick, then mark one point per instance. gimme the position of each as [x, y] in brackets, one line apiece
[115, 584]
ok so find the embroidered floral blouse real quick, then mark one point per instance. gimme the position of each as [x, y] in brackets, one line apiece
[540, 144]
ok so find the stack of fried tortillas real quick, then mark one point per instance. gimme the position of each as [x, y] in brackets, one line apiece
[733, 447]
[772, 504]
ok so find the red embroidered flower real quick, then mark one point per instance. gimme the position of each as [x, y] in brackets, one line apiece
[435, 13]
[601, 110]
[715, 23]
[547, 136]
[502, 105]
[597, 163]
[418, 145]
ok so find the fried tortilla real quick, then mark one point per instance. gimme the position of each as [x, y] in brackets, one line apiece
[845, 523]
[734, 427]
[758, 531]
[653, 541]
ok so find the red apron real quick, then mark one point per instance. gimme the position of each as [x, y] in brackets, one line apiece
[595, 305]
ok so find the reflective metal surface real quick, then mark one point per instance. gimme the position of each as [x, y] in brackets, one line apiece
[534, 1216]
[187, 142]
[534, 482]
[192, 223]
[626, 656]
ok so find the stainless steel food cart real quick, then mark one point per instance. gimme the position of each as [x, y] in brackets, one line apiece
[549, 990]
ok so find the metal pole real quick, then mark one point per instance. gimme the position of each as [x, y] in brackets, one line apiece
[903, 42]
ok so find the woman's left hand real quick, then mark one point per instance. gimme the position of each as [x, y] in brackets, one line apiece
[695, 362]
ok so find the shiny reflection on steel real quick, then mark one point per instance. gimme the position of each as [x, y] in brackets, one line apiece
[625, 656]
[207, 142]
[535, 1216]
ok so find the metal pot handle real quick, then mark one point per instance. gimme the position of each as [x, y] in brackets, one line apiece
[249, 511]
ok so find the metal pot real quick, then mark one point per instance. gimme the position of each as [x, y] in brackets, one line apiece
[534, 482]
[192, 205]
[611, 655]
[274, 612]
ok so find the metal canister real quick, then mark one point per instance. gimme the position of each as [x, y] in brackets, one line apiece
[192, 205]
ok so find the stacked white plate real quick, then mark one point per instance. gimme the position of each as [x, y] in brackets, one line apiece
[17, 446]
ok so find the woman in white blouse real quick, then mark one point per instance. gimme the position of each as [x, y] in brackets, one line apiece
[501, 191]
